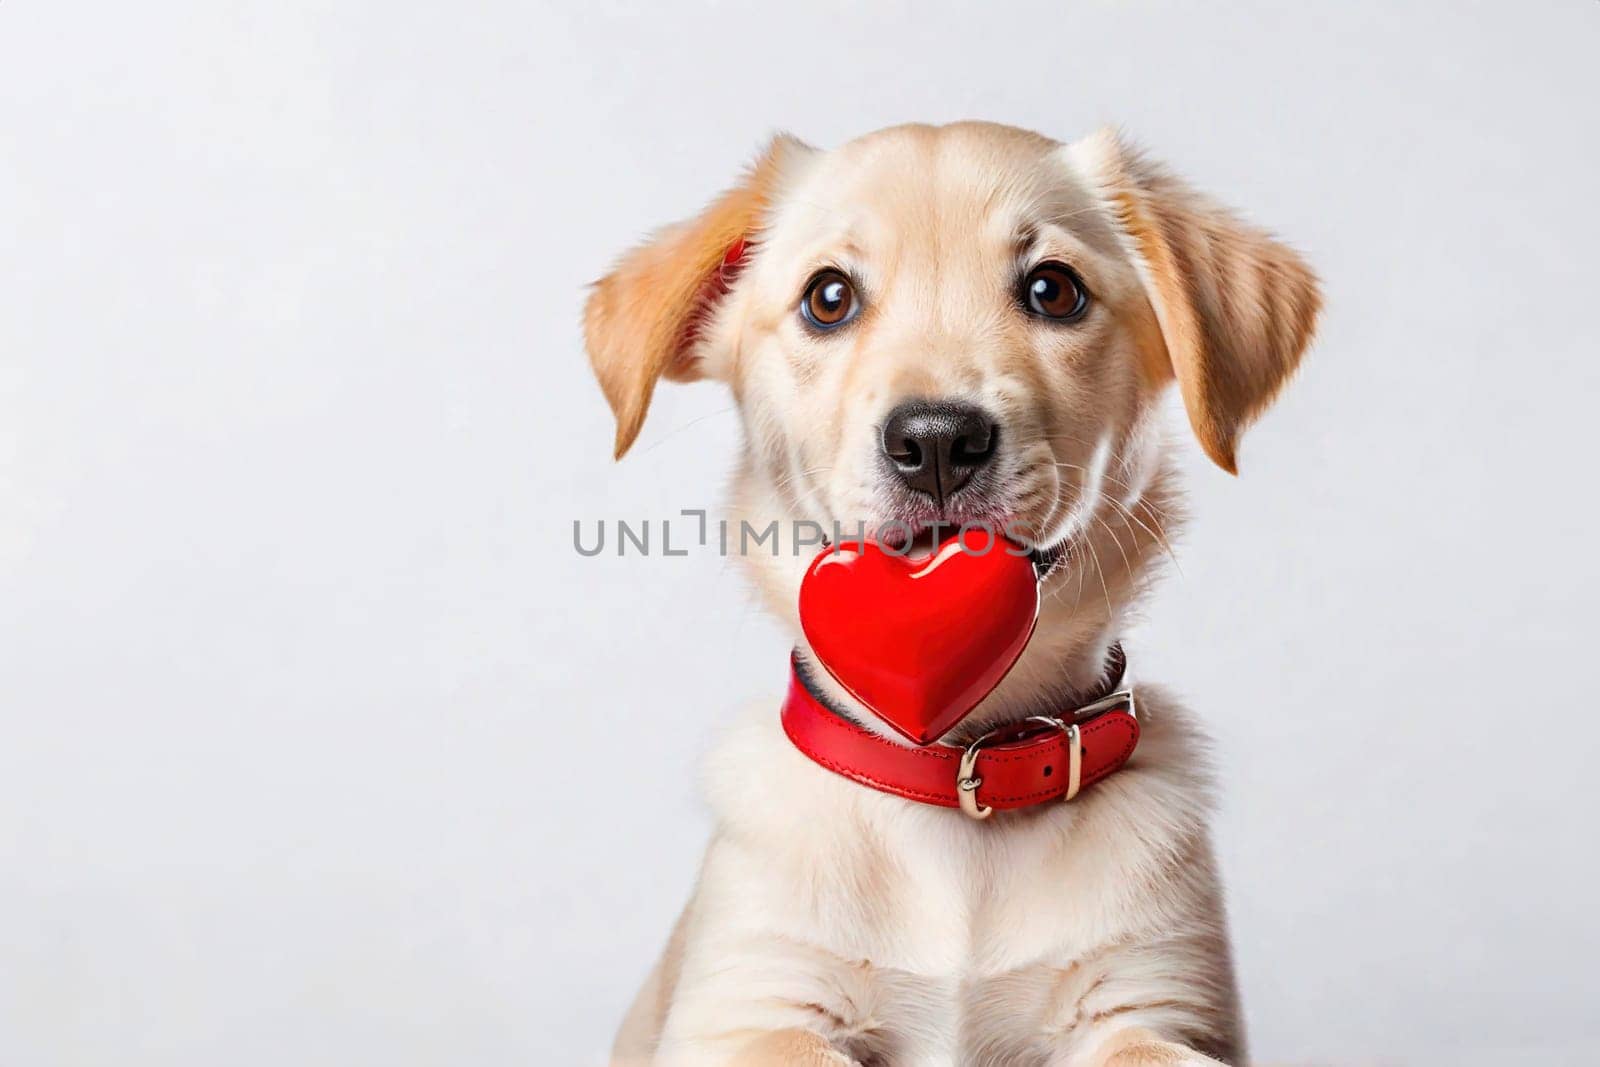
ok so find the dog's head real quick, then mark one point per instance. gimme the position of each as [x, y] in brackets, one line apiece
[954, 324]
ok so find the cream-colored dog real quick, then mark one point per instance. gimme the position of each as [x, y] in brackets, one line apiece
[1046, 294]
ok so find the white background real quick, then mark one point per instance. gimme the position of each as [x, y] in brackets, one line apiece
[304, 693]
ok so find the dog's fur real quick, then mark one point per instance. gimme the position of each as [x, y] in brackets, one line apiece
[833, 924]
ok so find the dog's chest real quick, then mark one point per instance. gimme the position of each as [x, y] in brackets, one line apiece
[966, 949]
[1005, 1019]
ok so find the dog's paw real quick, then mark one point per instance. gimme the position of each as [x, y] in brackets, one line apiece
[792, 1048]
[1160, 1054]
[1137, 1048]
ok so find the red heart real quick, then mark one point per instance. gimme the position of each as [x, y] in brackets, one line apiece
[920, 640]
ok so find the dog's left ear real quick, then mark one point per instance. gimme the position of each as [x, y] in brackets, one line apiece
[645, 320]
[1236, 307]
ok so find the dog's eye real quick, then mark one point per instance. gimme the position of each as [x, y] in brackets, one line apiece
[829, 301]
[1051, 290]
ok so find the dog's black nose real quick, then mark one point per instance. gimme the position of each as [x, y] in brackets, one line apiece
[936, 446]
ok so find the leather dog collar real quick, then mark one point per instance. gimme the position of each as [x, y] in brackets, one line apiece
[1037, 760]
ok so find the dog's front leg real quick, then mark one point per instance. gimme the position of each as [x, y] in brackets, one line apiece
[783, 1046]
[754, 995]
[1141, 1048]
[776, 1048]
[792, 1048]
[754, 1016]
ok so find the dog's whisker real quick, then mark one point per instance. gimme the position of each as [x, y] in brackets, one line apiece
[692, 422]
[1158, 533]
[1143, 501]
[1100, 572]
[1127, 564]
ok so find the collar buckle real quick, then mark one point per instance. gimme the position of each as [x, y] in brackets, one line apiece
[968, 781]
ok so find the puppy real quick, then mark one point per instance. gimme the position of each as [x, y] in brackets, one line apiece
[1028, 302]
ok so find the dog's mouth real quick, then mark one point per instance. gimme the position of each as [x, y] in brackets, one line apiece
[919, 543]
[1047, 558]
[922, 540]
[923, 535]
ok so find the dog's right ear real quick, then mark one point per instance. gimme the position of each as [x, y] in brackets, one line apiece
[644, 320]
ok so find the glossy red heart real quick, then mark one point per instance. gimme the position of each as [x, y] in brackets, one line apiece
[920, 640]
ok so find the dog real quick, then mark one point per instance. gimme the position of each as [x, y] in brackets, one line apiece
[956, 324]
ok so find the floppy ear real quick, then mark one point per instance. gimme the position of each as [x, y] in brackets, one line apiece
[643, 320]
[1236, 307]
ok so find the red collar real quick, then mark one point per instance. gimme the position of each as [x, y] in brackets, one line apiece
[1040, 759]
